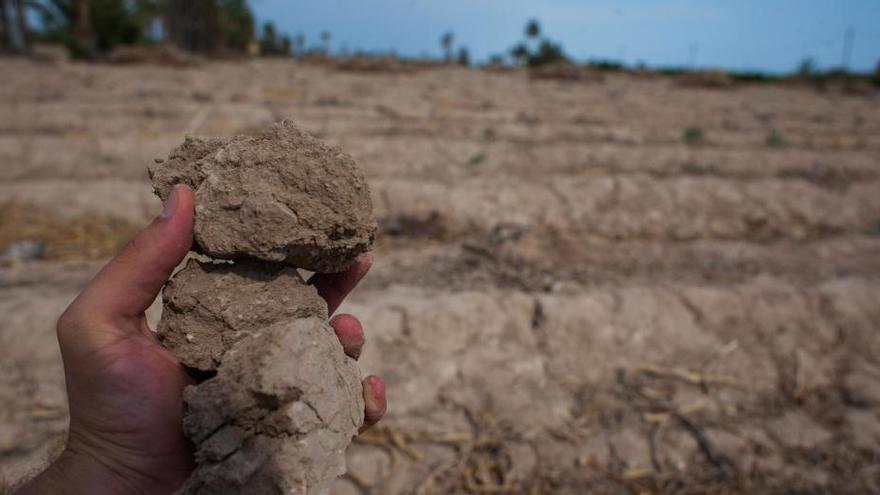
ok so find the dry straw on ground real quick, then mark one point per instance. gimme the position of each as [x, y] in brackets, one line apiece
[85, 237]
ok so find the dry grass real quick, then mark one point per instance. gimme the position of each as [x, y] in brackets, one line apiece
[85, 237]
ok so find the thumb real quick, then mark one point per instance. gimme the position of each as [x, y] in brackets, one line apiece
[129, 283]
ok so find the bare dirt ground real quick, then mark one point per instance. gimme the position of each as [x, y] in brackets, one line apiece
[567, 297]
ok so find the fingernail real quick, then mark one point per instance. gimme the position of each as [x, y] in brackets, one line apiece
[170, 203]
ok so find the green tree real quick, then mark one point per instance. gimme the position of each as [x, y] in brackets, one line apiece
[208, 26]
[269, 44]
[520, 53]
[807, 68]
[87, 27]
[114, 24]
[548, 53]
[235, 25]
[876, 77]
[273, 45]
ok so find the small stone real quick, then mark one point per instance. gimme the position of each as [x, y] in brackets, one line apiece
[861, 388]
[27, 250]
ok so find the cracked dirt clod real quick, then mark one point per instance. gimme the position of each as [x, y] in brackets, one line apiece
[211, 306]
[283, 196]
[281, 401]
[278, 415]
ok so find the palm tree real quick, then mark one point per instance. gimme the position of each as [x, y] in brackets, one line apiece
[533, 29]
[325, 39]
[446, 43]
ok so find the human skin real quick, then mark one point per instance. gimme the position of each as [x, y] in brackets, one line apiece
[124, 389]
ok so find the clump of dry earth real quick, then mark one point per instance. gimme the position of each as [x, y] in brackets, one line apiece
[278, 401]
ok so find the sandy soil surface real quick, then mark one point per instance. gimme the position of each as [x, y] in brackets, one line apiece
[566, 298]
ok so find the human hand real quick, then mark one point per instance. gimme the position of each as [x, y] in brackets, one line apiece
[124, 388]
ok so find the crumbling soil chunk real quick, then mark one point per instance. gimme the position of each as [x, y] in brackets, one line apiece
[279, 414]
[279, 401]
[283, 196]
[211, 306]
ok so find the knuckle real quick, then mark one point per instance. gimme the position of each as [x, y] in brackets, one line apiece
[70, 320]
[75, 319]
[131, 250]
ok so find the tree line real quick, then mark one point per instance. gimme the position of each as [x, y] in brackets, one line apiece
[91, 27]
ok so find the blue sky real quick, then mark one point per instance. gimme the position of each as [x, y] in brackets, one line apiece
[770, 35]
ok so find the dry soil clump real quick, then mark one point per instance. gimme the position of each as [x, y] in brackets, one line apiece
[211, 306]
[283, 196]
[278, 415]
[280, 401]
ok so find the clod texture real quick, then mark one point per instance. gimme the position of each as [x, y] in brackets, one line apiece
[278, 416]
[283, 196]
[211, 306]
[280, 400]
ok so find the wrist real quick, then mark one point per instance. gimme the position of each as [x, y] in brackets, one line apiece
[75, 473]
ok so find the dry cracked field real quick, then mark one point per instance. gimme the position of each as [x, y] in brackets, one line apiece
[567, 298]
